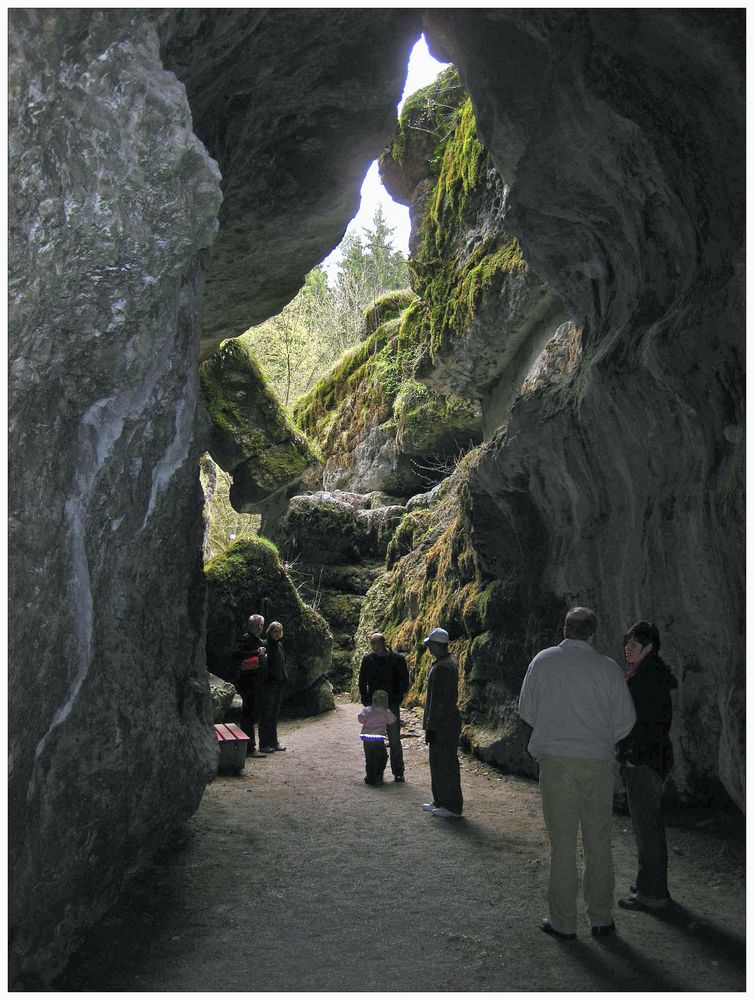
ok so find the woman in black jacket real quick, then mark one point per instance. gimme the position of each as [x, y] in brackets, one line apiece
[274, 678]
[646, 756]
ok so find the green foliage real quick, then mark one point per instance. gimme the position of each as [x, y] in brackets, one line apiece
[225, 525]
[312, 332]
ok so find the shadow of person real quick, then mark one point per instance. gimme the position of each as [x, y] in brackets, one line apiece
[636, 970]
[711, 937]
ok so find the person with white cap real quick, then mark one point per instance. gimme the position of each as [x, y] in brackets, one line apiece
[442, 728]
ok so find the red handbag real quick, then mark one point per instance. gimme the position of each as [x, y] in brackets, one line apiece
[251, 663]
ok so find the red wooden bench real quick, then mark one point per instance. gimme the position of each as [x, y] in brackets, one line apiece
[233, 742]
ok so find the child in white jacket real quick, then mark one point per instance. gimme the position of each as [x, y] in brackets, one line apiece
[375, 719]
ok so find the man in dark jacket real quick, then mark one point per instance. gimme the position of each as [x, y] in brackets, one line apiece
[646, 757]
[246, 649]
[442, 728]
[384, 670]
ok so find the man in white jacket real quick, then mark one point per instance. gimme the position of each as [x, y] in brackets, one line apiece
[578, 705]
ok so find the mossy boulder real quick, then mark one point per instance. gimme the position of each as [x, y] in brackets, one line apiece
[377, 428]
[249, 578]
[222, 694]
[332, 528]
[252, 436]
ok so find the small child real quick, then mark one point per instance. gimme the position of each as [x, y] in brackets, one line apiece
[375, 718]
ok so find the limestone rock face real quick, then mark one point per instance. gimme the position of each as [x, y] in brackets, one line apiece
[248, 579]
[112, 199]
[252, 436]
[293, 104]
[483, 314]
[620, 486]
[336, 543]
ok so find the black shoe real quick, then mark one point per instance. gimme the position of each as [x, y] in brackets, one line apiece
[603, 930]
[547, 927]
[398, 777]
[279, 748]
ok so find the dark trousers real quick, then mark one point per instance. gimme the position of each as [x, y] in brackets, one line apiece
[644, 794]
[446, 772]
[249, 688]
[394, 740]
[269, 713]
[375, 758]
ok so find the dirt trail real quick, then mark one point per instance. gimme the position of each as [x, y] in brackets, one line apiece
[297, 876]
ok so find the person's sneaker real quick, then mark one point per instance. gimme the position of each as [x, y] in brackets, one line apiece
[428, 806]
[444, 813]
[547, 927]
[267, 750]
[279, 748]
[256, 753]
[603, 930]
[399, 777]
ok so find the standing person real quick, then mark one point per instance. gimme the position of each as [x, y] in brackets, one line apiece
[375, 719]
[646, 756]
[385, 670]
[274, 678]
[249, 653]
[442, 729]
[575, 701]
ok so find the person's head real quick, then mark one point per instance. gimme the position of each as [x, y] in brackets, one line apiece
[437, 642]
[580, 623]
[639, 640]
[255, 624]
[275, 631]
[378, 644]
[380, 699]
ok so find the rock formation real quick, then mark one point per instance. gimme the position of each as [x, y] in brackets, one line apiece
[618, 136]
[248, 579]
[335, 543]
[252, 436]
[619, 481]
[377, 427]
[112, 199]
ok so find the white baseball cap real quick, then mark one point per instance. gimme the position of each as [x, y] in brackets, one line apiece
[438, 635]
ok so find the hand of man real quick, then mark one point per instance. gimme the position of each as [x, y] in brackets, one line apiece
[429, 735]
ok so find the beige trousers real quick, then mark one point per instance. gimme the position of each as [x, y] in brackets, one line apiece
[578, 791]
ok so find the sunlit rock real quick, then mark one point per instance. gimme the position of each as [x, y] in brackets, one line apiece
[252, 436]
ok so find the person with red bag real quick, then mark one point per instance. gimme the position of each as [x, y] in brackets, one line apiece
[250, 656]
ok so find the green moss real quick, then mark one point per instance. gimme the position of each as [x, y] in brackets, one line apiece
[249, 426]
[432, 112]
[389, 306]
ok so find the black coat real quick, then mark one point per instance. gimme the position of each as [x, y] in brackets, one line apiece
[649, 741]
[276, 671]
[387, 673]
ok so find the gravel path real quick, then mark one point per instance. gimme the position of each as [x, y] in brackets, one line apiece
[296, 876]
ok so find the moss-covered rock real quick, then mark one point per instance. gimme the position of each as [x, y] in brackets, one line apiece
[248, 578]
[377, 428]
[435, 577]
[483, 316]
[252, 436]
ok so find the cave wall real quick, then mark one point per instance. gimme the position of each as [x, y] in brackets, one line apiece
[114, 206]
[109, 708]
[620, 135]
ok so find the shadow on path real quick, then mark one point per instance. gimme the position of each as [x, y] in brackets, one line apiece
[297, 877]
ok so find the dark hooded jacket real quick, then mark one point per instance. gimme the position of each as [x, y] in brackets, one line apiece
[648, 742]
